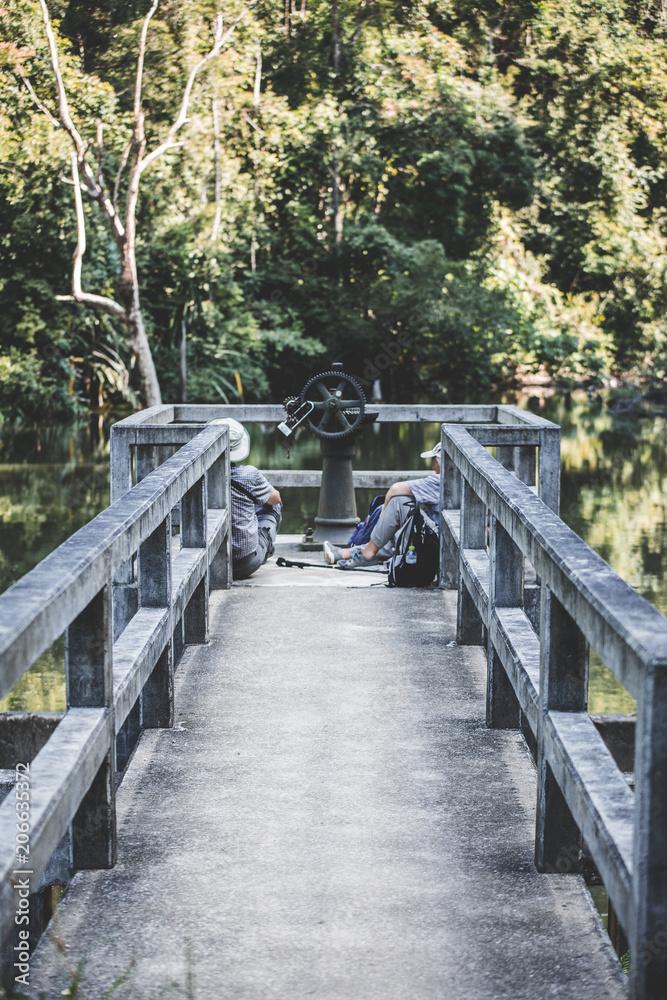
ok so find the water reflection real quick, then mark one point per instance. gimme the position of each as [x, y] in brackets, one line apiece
[42, 688]
[52, 482]
[614, 475]
[614, 489]
[613, 494]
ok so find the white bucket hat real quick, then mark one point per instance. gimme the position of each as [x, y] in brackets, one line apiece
[239, 439]
[433, 453]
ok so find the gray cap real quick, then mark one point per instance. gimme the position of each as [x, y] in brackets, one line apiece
[433, 453]
[239, 439]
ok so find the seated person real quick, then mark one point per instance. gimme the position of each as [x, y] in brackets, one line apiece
[397, 506]
[256, 506]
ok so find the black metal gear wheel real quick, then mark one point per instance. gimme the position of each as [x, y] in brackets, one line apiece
[339, 404]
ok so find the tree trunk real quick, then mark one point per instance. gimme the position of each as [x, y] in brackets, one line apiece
[335, 162]
[184, 360]
[337, 208]
[128, 285]
[129, 295]
[216, 166]
[335, 32]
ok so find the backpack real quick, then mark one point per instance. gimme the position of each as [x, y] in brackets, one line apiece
[362, 532]
[418, 531]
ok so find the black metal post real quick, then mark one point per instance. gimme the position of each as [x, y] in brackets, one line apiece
[337, 510]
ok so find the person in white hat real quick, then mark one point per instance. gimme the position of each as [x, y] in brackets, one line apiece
[256, 506]
[397, 506]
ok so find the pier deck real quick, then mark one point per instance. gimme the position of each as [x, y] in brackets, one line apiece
[330, 817]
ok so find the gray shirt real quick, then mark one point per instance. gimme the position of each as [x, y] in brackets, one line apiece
[427, 491]
[244, 516]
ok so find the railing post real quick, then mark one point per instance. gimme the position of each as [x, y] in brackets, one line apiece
[648, 935]
[505, 455]
[124, 586]
[145, 458]
[469, 626]
[218, 488]
[525, 468]
[157, 697]
[563, 688]
[120, 456]
[524, 464]
[450, 499]
[505, 591]
[549, 468]
[89, 674]
[193, 535]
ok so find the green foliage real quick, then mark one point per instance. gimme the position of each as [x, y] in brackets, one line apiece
[32, 388]
[484, 182]
[597, 92]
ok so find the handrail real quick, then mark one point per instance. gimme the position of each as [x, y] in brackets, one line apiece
[491, 523]
[518, 433]
[199, 413]
[37, 609]
[110, 670]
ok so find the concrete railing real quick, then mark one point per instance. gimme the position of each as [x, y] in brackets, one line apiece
[492, 524]
[140, 443]
[119, 661]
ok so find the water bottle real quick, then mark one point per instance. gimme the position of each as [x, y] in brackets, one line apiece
[411, 557]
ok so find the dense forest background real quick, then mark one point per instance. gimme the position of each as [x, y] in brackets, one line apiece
[447, 196]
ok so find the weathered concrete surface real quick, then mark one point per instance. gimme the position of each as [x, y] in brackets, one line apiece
[272, 575]
[330, 818]
[23, 734]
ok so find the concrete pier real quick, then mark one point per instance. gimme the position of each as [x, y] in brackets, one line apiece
[330, 817]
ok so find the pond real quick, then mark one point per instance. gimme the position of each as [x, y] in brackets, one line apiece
[614, 479]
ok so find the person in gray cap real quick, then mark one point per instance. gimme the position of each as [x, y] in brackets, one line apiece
[256, 506]
[397, 506]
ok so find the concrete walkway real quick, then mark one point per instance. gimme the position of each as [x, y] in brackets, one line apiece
[330, 818]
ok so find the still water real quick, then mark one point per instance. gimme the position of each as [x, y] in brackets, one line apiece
[614, 489]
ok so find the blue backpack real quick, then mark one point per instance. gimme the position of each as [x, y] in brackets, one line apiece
[362, 532]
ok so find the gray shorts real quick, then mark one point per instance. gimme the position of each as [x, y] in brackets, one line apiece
[268, 522]
[390, 520]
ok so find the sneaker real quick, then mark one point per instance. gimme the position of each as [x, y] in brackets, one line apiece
[331, 553]
[356, 559]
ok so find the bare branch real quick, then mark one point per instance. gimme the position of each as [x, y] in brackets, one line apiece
[42, 107]
[12, 170]
[97, 302]
[218, 186]
[98, 132]
[258, 73]
[82, 51]
[140, 59]
[244, 114]
[220, 37]
[94, 189]
[65, 116]
[78, 295]
[363, 11]
[123, 164]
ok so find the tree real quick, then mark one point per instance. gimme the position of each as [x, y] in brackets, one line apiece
[596, 91]
[126, 307]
